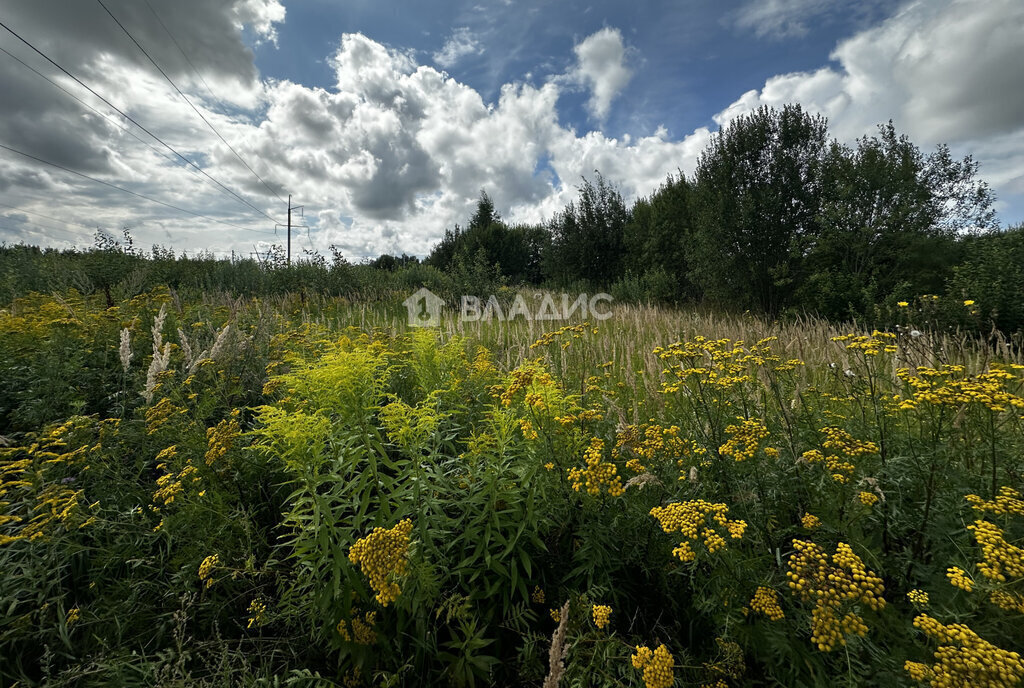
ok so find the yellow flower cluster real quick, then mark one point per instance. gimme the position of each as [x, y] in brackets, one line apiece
[257, 609]
[574, 330]
[691, 519]
[810, 521]
[812, 577]
[1008, 501]
[918, 597]
[720, 363]
[766, 601]
[172, 484]
[958, 578]
[527, 427]
[656, 666]
[556, 615]
[876, 343]
[868, 498]
[160, 414]
[649, 442]
[537, 595]
[844, 447]
[74, 614]
[965, 659]
[382, 555]
[1001, 558]
[601, 612]
[1009, 601]
[946, 386]
[362, 631]
[525, 377]
[598, 474]
[207, 567]
[744, 439]
[221, 438]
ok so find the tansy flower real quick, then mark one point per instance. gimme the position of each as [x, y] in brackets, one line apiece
[601, 613]
[969, 302]
[902, 304]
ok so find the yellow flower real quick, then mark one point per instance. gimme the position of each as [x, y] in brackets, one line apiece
[766, 601]
[382, 555]
[918, 597]
[73, 615]
[810, 521]
[206, 568]
[969, 302]
[656, 665]
[601, 613]
[958, 578]
[902, 304]
[537, 595]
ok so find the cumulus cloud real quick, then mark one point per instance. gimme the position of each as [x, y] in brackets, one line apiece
[462, 42]
[601, 66]
[946, 71]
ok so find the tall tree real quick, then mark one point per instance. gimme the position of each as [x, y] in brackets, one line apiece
[890, 220]
[587, 236]
[756, 198]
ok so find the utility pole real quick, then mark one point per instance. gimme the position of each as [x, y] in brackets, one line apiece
[289, 225]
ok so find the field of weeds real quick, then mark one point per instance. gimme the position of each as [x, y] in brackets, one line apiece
[212, 491]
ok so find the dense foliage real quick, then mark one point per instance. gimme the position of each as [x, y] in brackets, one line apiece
[294, 491]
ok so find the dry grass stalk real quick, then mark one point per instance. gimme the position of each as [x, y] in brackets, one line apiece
[556, 656]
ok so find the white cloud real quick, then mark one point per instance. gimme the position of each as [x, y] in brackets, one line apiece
[459, 44]
[945, 71]
[601, 65]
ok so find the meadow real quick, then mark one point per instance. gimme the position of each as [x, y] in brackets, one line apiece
[198, 489]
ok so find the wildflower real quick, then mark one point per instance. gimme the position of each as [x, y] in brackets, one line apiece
[656, 666]
[810, 521]
[964, 658]
[812, 577]
[958, 578]
[73, 615]
[598, 474]
[550, 466]
[556, 616]
[868, 498]
[382, 555]
[766, 601]
[601, 612]
[902, 304]
[206, 569]
[919, 598]
[969, 302]
[125, 350]
[362, 629]
[537, 595]
[257, 608]
[744, 439]
[691, 520]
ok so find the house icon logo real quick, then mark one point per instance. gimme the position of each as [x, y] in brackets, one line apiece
[424, 308]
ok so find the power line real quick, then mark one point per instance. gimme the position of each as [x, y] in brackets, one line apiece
[129, 191]
[49, 217]
[120, 126]
[183, 53]
[133, 121]
[185, 98]
[51, 229]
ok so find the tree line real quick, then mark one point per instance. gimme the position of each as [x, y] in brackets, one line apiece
[777, 218]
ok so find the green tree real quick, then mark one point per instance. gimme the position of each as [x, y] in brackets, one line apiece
[890, 221]
[756, 199]
[658, 236]
[587, 236]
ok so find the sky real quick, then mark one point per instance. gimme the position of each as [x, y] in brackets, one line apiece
[384, 120]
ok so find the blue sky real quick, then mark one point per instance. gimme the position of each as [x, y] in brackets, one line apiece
[386, 119]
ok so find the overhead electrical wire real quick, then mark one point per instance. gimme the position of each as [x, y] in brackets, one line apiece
[180, 50]
[131, 119]
[129, 191]
[49, 217]
[185, 98]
